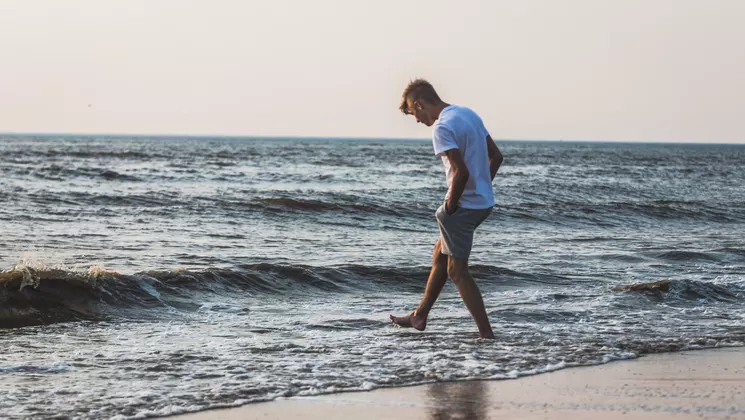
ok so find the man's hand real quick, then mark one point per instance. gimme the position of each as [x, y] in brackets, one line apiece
[460, 178]
[495, 156]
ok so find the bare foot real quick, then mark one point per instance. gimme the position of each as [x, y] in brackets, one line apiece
[410, 321]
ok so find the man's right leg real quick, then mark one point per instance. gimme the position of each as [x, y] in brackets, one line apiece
[471, 295]
[437, 278]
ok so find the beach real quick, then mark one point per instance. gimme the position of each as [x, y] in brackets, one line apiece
[328, 210]
[166, 275]
[707, 384]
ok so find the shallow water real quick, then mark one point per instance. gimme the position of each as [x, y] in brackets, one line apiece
[149, 276]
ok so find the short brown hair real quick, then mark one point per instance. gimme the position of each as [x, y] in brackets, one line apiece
[418, 89]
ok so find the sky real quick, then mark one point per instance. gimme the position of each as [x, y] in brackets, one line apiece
[608, 70]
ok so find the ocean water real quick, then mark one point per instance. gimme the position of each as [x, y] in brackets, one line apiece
[152, 276]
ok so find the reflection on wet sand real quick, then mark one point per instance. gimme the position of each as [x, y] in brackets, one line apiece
[458, 400]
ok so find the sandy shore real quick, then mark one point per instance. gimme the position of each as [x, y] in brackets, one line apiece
[695, 384]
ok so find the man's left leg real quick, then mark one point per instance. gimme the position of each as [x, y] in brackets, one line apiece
[437, 278]
[470, 293]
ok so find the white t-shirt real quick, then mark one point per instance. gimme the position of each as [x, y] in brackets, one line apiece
[460, 128]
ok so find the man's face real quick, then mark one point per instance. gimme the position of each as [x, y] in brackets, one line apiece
[419, 110]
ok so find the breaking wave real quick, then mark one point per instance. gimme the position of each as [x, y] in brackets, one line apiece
[39, 295]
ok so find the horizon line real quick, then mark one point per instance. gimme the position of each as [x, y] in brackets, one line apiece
[361, 138]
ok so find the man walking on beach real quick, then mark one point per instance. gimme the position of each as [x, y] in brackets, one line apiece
[471, 160]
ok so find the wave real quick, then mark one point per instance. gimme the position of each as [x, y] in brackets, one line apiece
[730, 252]
[690, 290]
[120, 154]
[39, 296]
[31, 296]
[143, 154]
[684, 291]
[688, 256]
[173, 202]
[621, 212]
[349, 206]
[59, 172]
[41, 152]
[618, 213]
[169, 202]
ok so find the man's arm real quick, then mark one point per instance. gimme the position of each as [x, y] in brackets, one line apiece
[495, 156]
[460, 178]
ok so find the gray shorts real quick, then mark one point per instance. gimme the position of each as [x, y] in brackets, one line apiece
[456, 230]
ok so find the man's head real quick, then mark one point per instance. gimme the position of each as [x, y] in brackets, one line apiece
[421, 100]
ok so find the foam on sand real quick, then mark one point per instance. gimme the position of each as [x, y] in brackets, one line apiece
[688, 385]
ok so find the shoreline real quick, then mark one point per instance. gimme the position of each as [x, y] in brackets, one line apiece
[708, 383]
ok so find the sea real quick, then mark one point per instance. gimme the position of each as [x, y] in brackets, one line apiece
[148, 276]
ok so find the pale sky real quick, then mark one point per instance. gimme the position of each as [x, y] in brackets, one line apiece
[617, 70]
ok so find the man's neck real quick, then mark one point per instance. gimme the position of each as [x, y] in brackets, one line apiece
[439, 108]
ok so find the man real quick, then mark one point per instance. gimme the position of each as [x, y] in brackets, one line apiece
[471, 160]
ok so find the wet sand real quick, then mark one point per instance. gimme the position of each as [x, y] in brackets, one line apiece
[707, 384]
